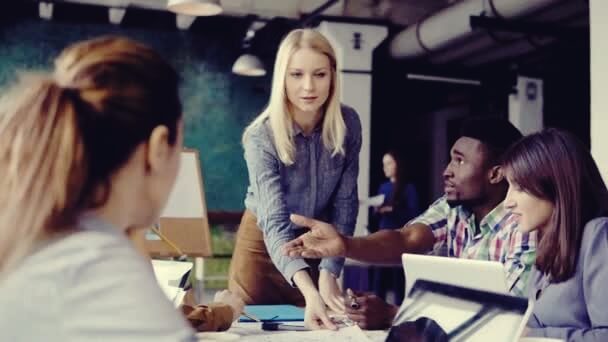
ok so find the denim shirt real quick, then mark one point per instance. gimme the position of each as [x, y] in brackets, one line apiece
[316, 185]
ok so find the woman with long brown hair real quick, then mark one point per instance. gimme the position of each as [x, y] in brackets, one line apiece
[87, 154]
[556, 190]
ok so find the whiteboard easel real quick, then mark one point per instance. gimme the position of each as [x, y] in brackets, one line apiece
[184, 218]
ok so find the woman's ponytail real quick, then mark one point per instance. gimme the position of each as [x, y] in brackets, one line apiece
[43, 164]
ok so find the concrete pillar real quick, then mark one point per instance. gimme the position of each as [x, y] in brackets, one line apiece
[599, 84]
[354, 45]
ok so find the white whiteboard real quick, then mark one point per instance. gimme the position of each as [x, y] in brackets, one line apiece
[186, 199]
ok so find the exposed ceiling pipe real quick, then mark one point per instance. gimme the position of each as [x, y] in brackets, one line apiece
[498, 44]
[304, 21]
[476, 42]
[518, 48]
[451, 24]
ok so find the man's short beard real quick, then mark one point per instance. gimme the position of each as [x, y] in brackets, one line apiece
[466, 203]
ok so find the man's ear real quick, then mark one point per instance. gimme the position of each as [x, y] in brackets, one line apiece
[495, 174]
[159, 149]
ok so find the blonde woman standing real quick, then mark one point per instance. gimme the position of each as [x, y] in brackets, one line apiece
[302, 154]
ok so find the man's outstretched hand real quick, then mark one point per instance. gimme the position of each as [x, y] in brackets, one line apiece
[323, 240]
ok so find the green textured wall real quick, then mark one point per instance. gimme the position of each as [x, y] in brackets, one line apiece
[218, 105]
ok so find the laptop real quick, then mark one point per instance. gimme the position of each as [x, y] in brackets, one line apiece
[441, 312]
[473, 274]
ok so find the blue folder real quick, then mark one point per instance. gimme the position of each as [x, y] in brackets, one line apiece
[274, 313]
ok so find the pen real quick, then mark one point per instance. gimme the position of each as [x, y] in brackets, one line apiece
[352, 299]
[250, 316]
[169, 242]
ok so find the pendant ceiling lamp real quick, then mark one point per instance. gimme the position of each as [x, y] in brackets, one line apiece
[195, 7]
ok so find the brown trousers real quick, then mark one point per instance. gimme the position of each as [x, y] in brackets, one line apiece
[252, 274]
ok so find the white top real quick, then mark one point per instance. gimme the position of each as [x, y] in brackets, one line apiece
[89, 286]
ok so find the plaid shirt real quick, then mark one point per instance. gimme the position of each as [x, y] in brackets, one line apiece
[498, 239]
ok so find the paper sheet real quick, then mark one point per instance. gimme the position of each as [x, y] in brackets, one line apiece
[349, 334]
[168, 274]
[374, 201]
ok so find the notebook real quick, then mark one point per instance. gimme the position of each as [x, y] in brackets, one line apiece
[170, 276]
[275, 313]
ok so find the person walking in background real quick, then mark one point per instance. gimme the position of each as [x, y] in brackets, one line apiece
[302, 155]
[400, 205]
[400, 198]
[556, 190]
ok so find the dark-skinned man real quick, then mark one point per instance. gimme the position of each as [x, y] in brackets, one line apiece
[469, 221]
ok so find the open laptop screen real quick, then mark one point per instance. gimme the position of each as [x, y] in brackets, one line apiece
[440, 312]
[474, 274]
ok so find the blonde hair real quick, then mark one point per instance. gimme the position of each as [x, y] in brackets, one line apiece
[63, 135]
[278, 112]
